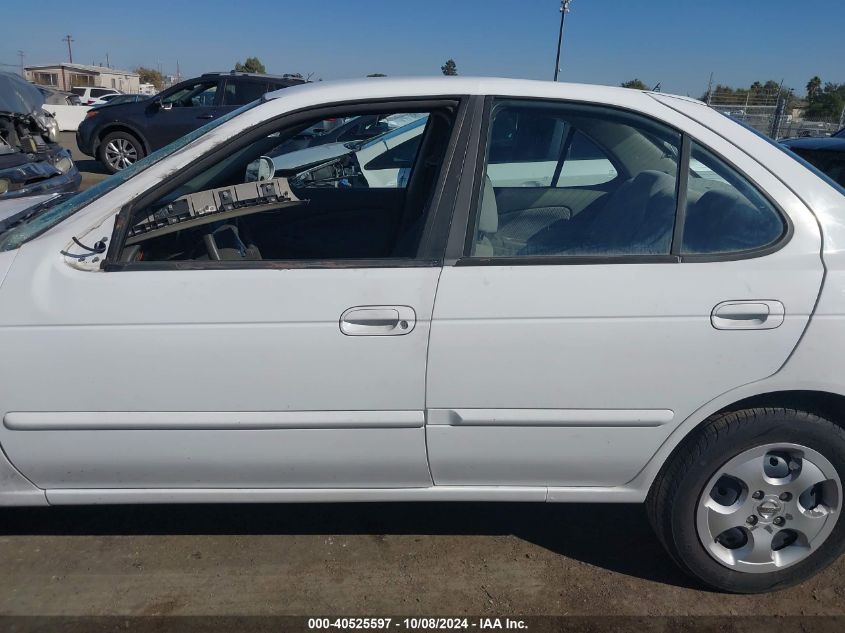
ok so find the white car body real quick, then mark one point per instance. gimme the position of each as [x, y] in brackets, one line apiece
[238, 385]
[90, 95]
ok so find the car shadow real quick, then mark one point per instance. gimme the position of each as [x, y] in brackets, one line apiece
[615, 537]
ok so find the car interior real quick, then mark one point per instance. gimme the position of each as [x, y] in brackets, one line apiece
[242, 208]
[575, 182]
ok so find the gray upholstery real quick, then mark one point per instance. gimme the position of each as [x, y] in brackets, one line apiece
[639, 216]
[723, 221]
[636, 219]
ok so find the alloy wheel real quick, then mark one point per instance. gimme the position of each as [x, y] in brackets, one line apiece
[769, 507]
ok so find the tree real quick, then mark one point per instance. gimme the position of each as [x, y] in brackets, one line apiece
[450, 68]
[813, 87]
[150, 76]
[828, 104]
[251, 65]
[376, 75]
[634, 84]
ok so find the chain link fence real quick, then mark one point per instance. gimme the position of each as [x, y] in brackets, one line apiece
[767, 112]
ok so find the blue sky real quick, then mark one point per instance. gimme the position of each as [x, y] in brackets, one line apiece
[675, 42]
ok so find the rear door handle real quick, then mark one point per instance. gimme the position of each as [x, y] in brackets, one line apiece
[378, 321]
[747, 315]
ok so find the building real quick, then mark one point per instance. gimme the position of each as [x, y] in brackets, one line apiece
[66, 76]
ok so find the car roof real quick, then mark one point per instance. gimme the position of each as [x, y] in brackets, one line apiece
[377, 87]
[236, 73]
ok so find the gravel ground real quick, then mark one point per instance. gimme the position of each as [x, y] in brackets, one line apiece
[448, 559]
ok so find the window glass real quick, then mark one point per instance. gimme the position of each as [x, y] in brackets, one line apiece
[725, 213]
[294, 195]
[241, 92]
[196, 95]
[585, 164]
[572, 180]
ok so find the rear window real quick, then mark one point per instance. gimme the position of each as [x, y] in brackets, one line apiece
[242, 92]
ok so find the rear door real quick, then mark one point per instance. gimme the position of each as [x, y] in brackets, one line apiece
[566, 360]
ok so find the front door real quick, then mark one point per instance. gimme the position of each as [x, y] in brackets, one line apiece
[282, 346]
[582, 323]
[182, 110]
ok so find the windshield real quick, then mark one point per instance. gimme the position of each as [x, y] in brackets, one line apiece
[50, 217]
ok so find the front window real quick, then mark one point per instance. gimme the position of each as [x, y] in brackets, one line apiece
[195, 95]
[287, 196]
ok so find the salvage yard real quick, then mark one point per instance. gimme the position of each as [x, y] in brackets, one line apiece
[369, 559]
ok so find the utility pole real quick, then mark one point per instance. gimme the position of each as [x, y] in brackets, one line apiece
[21, 55]
[710, 89]
[108, 65]
[69, 39]
[564, 9]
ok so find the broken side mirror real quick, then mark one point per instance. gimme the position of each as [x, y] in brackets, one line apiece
[260, 169]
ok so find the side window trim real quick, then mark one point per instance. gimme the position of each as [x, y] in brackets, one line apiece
[462, 257]
[424, 257]
[681, 196]
[463, 226]
[752, 253]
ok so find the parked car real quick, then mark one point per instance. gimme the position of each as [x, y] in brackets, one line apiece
[53, 96]
[90, 95]
[475, 308]
[826, 153]
[124, 98]
[31, 162]
[120, 134]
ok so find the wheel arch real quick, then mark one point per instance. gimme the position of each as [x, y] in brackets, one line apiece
[121, 127]
[827, 402]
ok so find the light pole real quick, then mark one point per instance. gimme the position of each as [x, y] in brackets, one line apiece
[564, 9]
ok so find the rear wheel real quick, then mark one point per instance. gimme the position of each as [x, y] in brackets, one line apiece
[752, 502]
[119, 150]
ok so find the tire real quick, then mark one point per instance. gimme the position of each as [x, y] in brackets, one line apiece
[686, 508]
[119, 150]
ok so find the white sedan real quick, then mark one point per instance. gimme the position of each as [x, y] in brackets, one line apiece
[547, 292]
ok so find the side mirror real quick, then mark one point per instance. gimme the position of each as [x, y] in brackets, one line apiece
[260, 169]
[158, 104]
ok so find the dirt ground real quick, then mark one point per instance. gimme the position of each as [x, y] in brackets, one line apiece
[361, 559]
[364, 559]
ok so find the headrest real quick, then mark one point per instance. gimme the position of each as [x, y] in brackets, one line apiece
[488, 220]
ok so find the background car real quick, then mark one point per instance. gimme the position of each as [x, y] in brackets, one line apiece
[59, 97]
[90, 95]
[122, 98]
[31, 162]
[826, 153]
[120, 134]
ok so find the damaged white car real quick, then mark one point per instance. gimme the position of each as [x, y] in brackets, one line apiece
[529, 292]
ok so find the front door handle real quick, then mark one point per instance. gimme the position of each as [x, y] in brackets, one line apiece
[206, 116]
[378, 321]
[747, 315]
